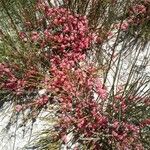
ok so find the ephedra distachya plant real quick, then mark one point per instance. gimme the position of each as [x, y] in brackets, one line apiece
[77, 57]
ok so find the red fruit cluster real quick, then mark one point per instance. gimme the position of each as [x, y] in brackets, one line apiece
[9, 81]
[138, 14]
